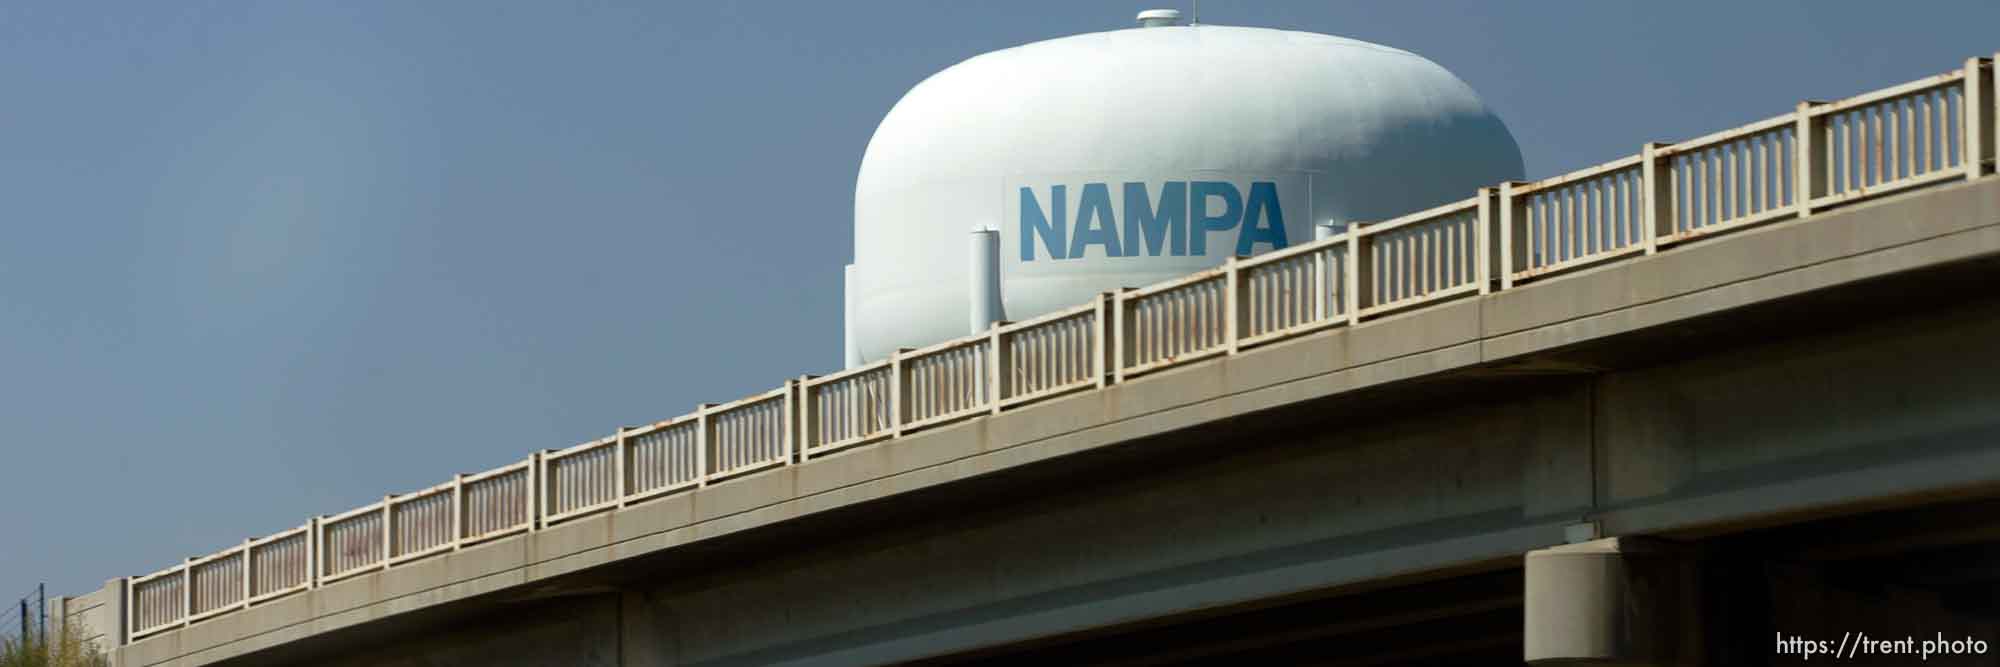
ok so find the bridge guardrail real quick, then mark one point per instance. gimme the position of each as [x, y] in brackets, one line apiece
[1286, 292]
[1859, 157]
[750, 434]
[280, 564]
[1419, 258]
[1580, 218]
[1725, 180]
[424, 522]
[580, 479]
[1174, 322]
[663, 457]
[854, 406]
[216, 583]
[1050, 355]
[1820, 155]
[496, 503]
[157, 601]
[352, 542]
[945, 382]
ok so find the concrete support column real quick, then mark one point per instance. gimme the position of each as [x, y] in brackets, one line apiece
[107, 626]
[1614, 601]
[643, 641]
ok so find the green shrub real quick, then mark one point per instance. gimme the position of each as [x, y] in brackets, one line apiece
[66, 649]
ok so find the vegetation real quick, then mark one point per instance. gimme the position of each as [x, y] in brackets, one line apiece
[66, 648]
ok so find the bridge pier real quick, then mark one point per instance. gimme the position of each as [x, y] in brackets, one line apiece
[1614, 601]
[1642, 601]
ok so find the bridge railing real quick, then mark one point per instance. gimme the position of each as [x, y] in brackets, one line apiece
[157, 601]
[943, 382]
[423, 523]
[750, 434]
[1174, 322]
[496, 503]
[1293, 291]
[351, 543]
[663, 457]
[852, 407]
[280, 564]
[1821, 155]
[1579, 218]
[580, 479]
[1734, 178]
[1419, 258]
[1896, 138]
[1050, 355]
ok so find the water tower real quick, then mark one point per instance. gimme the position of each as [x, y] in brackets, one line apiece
[1128, 157]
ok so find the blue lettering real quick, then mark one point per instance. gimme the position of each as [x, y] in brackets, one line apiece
[1032, 220]
[1156, 225]
[1095, 207]
[1263, 206]
[1178, 222]
[1199, 193]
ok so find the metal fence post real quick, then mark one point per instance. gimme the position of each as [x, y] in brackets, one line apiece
[1482, 241]
[249, 570]
[457, 511]
[791, 408]
[1976, 133]
[388, 529]
[313, 551]
[1121, 332]
[1102, 336]
[996, 363]
[808, 419]
[1512, 234]
[1358, 267]
[538, 481]
[187, 590]
[1991, 127]
[1317, 262]
[1655, 194]
[898, 394]
[1232, 304]
[1808, 164]
[702, 458]
[618, 491]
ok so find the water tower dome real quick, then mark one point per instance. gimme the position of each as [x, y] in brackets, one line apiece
[1127, 157]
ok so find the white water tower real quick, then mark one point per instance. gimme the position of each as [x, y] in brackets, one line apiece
[1128, 157]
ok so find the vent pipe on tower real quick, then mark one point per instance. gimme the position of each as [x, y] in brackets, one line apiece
[853, 351]
[983, 291]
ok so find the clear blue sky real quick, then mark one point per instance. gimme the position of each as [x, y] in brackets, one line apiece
[267, 260]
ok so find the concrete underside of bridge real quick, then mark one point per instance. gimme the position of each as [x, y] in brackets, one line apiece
[1816, 449]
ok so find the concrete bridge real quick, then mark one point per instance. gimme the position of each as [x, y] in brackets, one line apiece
[1662, 436]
